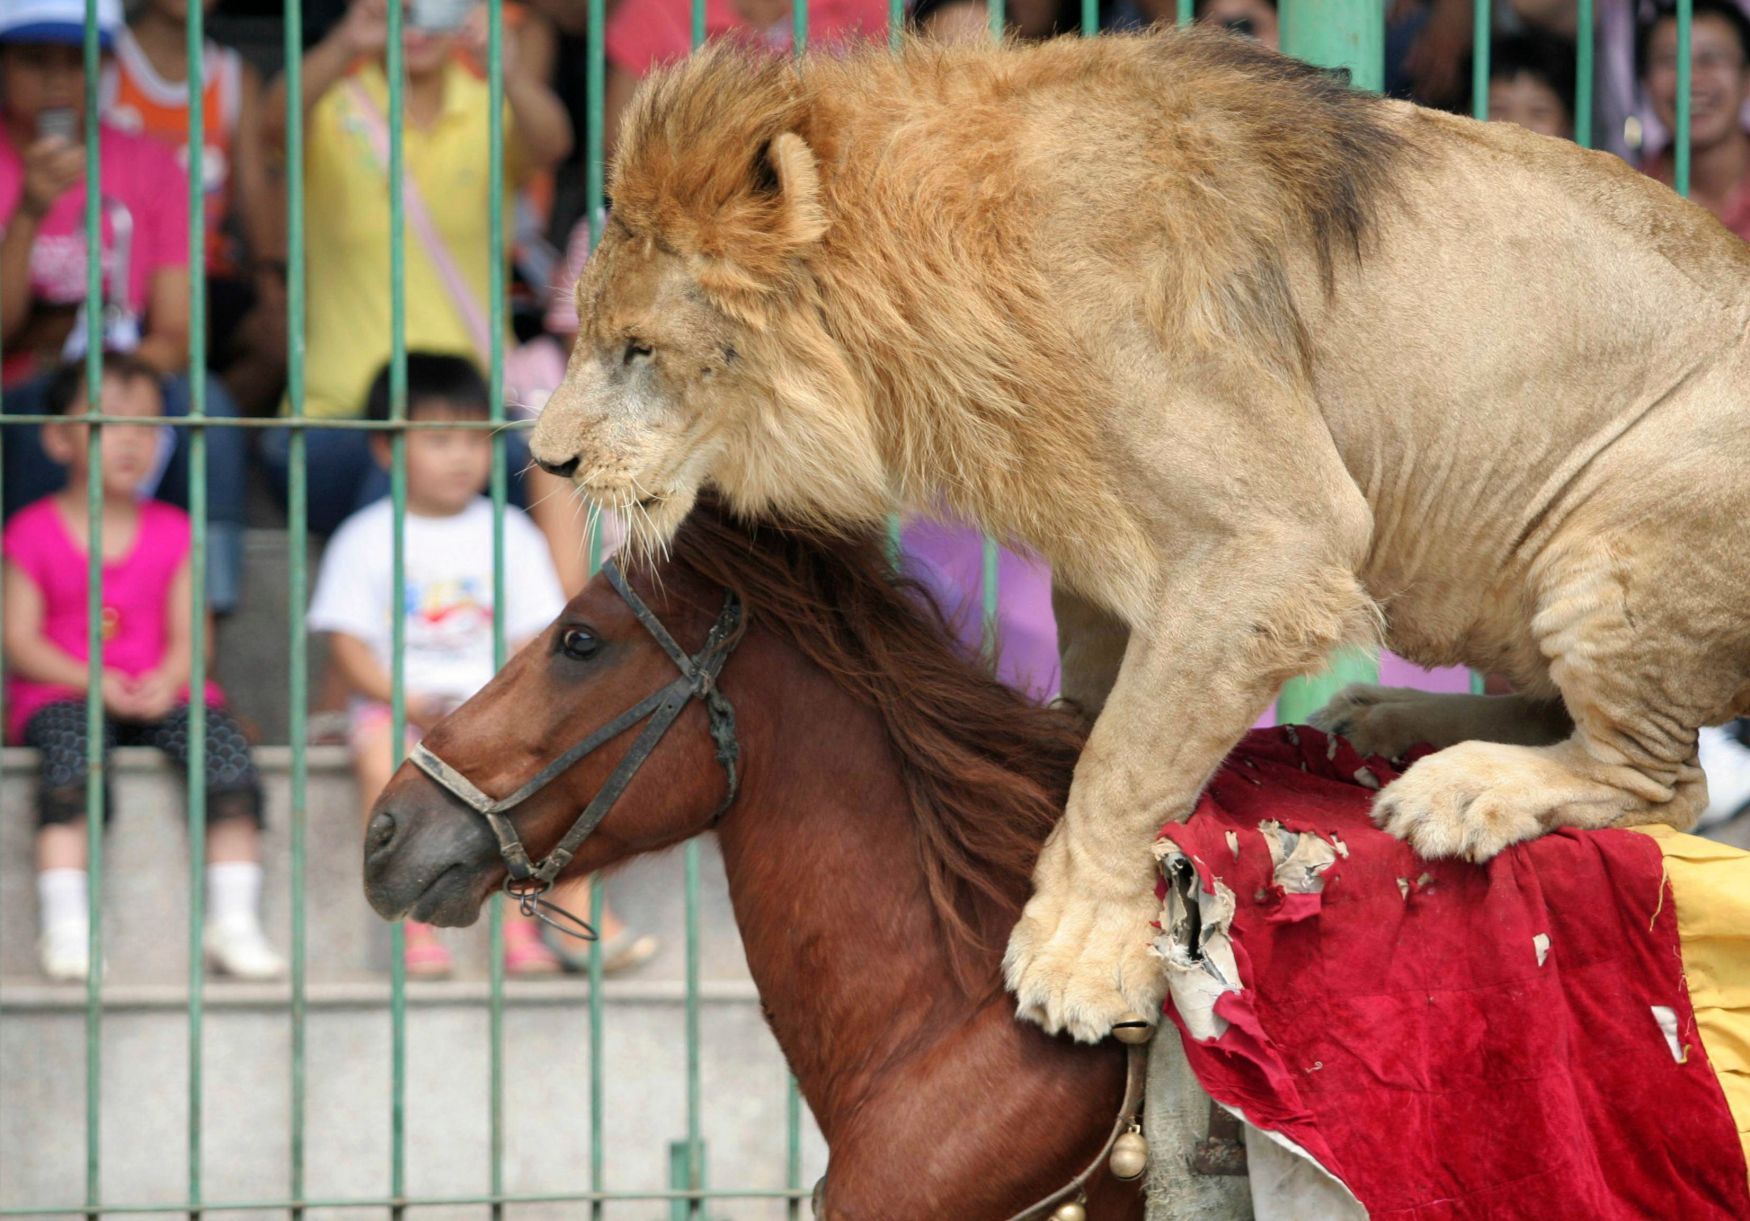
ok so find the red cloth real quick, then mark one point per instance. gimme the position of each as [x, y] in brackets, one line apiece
[1413, 1044]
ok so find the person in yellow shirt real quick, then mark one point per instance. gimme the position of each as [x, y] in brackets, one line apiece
[446, 209]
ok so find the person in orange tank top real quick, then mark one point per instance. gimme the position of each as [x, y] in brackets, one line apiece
[145, 90]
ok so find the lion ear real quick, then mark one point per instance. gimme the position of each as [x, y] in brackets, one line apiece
[787, 170]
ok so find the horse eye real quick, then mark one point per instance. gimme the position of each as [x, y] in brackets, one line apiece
[636, 350]
[579, 644]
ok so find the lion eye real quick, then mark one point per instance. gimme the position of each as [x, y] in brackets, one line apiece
[636, 351]
[579, 644]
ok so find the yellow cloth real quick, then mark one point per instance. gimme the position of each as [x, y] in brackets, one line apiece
[1710, 884]
[347, 232]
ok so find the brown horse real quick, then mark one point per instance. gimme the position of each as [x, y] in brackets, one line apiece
[892, 798]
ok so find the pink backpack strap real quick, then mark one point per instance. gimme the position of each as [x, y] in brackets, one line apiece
[413, 207]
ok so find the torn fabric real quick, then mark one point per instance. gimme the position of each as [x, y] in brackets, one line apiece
[1452, 1041]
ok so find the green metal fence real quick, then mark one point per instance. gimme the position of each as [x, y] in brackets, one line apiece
[1335, 32]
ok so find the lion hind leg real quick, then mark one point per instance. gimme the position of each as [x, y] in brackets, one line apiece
[1389, 721]
[1640, 664]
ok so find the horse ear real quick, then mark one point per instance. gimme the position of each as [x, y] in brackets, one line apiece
[787, 170]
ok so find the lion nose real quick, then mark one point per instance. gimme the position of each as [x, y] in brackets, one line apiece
[564, 470]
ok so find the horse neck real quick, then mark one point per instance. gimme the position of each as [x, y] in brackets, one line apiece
[835, 913]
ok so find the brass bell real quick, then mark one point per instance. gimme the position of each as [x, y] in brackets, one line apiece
[1133, 1028]
[1073, 1211]
[1129, 1155]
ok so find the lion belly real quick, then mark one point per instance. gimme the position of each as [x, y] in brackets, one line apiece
[1521, 368]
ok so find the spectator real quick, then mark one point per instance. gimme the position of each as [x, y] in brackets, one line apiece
[144, 237]
[644, 33]
[147, 602]
[449, 611]
[1719, 91]
[145, 91]
[1531, 83]
[1254, 18]
[447, 211]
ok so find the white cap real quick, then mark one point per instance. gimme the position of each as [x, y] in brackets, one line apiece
[60, 21]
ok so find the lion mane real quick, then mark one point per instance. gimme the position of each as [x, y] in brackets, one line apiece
[879, 222]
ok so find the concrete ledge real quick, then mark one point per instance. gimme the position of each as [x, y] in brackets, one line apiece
[29, 995]
[143, 760]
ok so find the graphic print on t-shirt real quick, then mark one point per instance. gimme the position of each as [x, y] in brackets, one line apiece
[447, 615]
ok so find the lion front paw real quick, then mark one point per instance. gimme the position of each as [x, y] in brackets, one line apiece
[1079, 964]
[1470, 801]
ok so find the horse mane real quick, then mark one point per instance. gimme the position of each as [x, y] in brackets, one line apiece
[986, 770]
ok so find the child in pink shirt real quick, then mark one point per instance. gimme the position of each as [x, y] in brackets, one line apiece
[147, 601]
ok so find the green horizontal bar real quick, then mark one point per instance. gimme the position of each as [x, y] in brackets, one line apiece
[556, 1197]
[292, 423]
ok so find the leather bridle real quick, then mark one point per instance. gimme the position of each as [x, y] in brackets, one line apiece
[527, 881]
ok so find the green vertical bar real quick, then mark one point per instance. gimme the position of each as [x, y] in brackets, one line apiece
[695, 1146]
[798, 24]
[598, 1179]
[197, 511]
[93, 618]
[895, 24]
[1297, 703]
[1481, 47]
[1090, 17]
[988, 555]
[1187, 12]
[1583, 73]
[297, 510]
[495, 384]
[1685, 72]
[695, 1156]
[793, 1152]
[398, 587]
[595, 74]
[1337, 34]
[990, 588]
[1482, 50]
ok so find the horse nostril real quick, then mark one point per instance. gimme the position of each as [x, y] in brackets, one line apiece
[564, 470]
[380, 831]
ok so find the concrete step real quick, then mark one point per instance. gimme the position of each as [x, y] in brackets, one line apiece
[146, 872]
[246, 1095]
[253, 650]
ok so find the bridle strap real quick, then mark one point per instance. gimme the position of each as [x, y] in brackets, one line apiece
[461, 787]
[698, 680]
[674, 700]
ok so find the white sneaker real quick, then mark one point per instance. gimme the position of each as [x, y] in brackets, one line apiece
[236, 946]
[65, 951]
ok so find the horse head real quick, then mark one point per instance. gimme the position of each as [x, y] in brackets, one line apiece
[500, 789]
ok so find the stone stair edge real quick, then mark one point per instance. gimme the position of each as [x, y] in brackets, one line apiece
[21, 995]
[146, 760]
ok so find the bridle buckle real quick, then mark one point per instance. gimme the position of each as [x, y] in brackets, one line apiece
[528, 891]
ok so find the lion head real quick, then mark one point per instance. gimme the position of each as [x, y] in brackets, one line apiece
[698, 358]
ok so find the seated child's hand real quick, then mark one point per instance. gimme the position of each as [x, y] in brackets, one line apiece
[155, 694]
[120, 697]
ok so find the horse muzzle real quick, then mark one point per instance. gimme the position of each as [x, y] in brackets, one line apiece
[426, 858]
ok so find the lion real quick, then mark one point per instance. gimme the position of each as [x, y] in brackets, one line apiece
[1262, 365]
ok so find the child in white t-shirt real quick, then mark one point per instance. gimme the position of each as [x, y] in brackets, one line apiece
[447, 633]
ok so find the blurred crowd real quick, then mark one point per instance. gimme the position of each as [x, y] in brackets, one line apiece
[149, 264]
